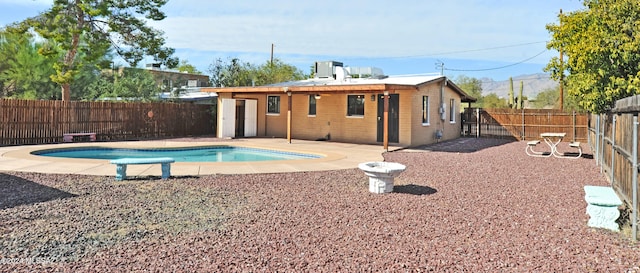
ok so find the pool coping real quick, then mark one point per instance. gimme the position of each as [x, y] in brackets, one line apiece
[336, 156]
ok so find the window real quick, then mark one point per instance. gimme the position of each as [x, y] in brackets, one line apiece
[312, 105]
[355, 105]
[425, 110]
[452, 110]
[273, 104]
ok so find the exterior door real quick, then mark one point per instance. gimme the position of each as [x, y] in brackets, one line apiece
[394, 118]
[251, 118]
[228, 128]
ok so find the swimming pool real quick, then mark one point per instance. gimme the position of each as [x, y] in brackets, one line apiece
[190, 154]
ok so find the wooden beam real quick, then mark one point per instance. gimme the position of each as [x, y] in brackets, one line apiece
[289, 117]
[385, 122]
[349, 88]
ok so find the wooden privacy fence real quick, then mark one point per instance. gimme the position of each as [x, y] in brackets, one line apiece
[523, 124]
[614, 139]
[39, 122]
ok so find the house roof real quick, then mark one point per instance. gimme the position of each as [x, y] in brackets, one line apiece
[190, 94]
[347, 85]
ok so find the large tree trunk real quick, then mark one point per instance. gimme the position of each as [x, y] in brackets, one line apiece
[66, 92]
[70, 56]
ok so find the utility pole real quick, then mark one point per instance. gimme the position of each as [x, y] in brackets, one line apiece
[440, 65]
[561, 71]
[271, 63]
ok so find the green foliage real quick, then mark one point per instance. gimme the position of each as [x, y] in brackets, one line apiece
[24, 74]
[236, 73]
[133, 84]
[230, 73]
[184, 66]
[89, 28]
[602, 45]
[473, 87]
[550, 98]
[493, 101]
[277, 71]
[100, 88]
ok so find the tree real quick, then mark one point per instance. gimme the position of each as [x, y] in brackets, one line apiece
[550, 98]
[603, 51]
[493, 101]
[86, 77]
[231, 73]
[234, 72]
[133, 84]
[184, 66]
[473, 87]
[92, 27]
[24, 73]
[277, 71]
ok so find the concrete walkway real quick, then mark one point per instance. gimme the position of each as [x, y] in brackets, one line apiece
[335, 156]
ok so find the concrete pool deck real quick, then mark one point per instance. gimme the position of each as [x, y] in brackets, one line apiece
[335, 156]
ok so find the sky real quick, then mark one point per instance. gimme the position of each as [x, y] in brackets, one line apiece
[494, 39]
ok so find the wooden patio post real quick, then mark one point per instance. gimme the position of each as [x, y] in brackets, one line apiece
[385, 122]
[289, 117]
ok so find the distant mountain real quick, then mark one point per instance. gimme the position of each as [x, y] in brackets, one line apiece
[532, 85]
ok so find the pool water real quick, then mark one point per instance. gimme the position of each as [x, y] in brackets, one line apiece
[192, 154]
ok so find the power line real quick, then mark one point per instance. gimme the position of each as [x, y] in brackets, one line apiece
[448, 52]
[475, 50]
[496, 68]
[534, 77]
[458, 51]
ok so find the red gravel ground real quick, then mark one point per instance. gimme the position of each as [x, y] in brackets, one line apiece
[472, 205]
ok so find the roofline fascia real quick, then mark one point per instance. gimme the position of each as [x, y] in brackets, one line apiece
[367, 88]
[464, 96]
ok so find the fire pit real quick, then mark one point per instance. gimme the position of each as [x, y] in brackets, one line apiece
[381, 175]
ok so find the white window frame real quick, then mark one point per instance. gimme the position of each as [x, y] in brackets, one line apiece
[315, 106]
[426, 111]
[268, 101]
[452, 111]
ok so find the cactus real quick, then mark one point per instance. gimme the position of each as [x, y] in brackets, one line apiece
[510, 102]
[520, 98]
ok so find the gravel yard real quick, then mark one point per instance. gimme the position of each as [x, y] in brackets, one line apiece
[472, 205]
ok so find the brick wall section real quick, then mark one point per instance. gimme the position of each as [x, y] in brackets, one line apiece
[331, 117]
[425, 134]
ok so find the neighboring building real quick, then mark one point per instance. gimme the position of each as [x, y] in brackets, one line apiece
[185, 86]
[191, 94]
[422, 109]
[175, 79]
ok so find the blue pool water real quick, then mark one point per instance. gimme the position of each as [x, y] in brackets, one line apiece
[192, 154]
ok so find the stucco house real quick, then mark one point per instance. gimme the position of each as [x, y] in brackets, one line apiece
[402, 111]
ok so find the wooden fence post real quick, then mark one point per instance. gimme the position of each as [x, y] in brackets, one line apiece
[634, 179]
[477, 122]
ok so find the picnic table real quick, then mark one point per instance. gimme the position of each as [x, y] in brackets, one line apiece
[552, 140]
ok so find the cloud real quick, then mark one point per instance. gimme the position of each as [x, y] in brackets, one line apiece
[361, 28]
[356, 31]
